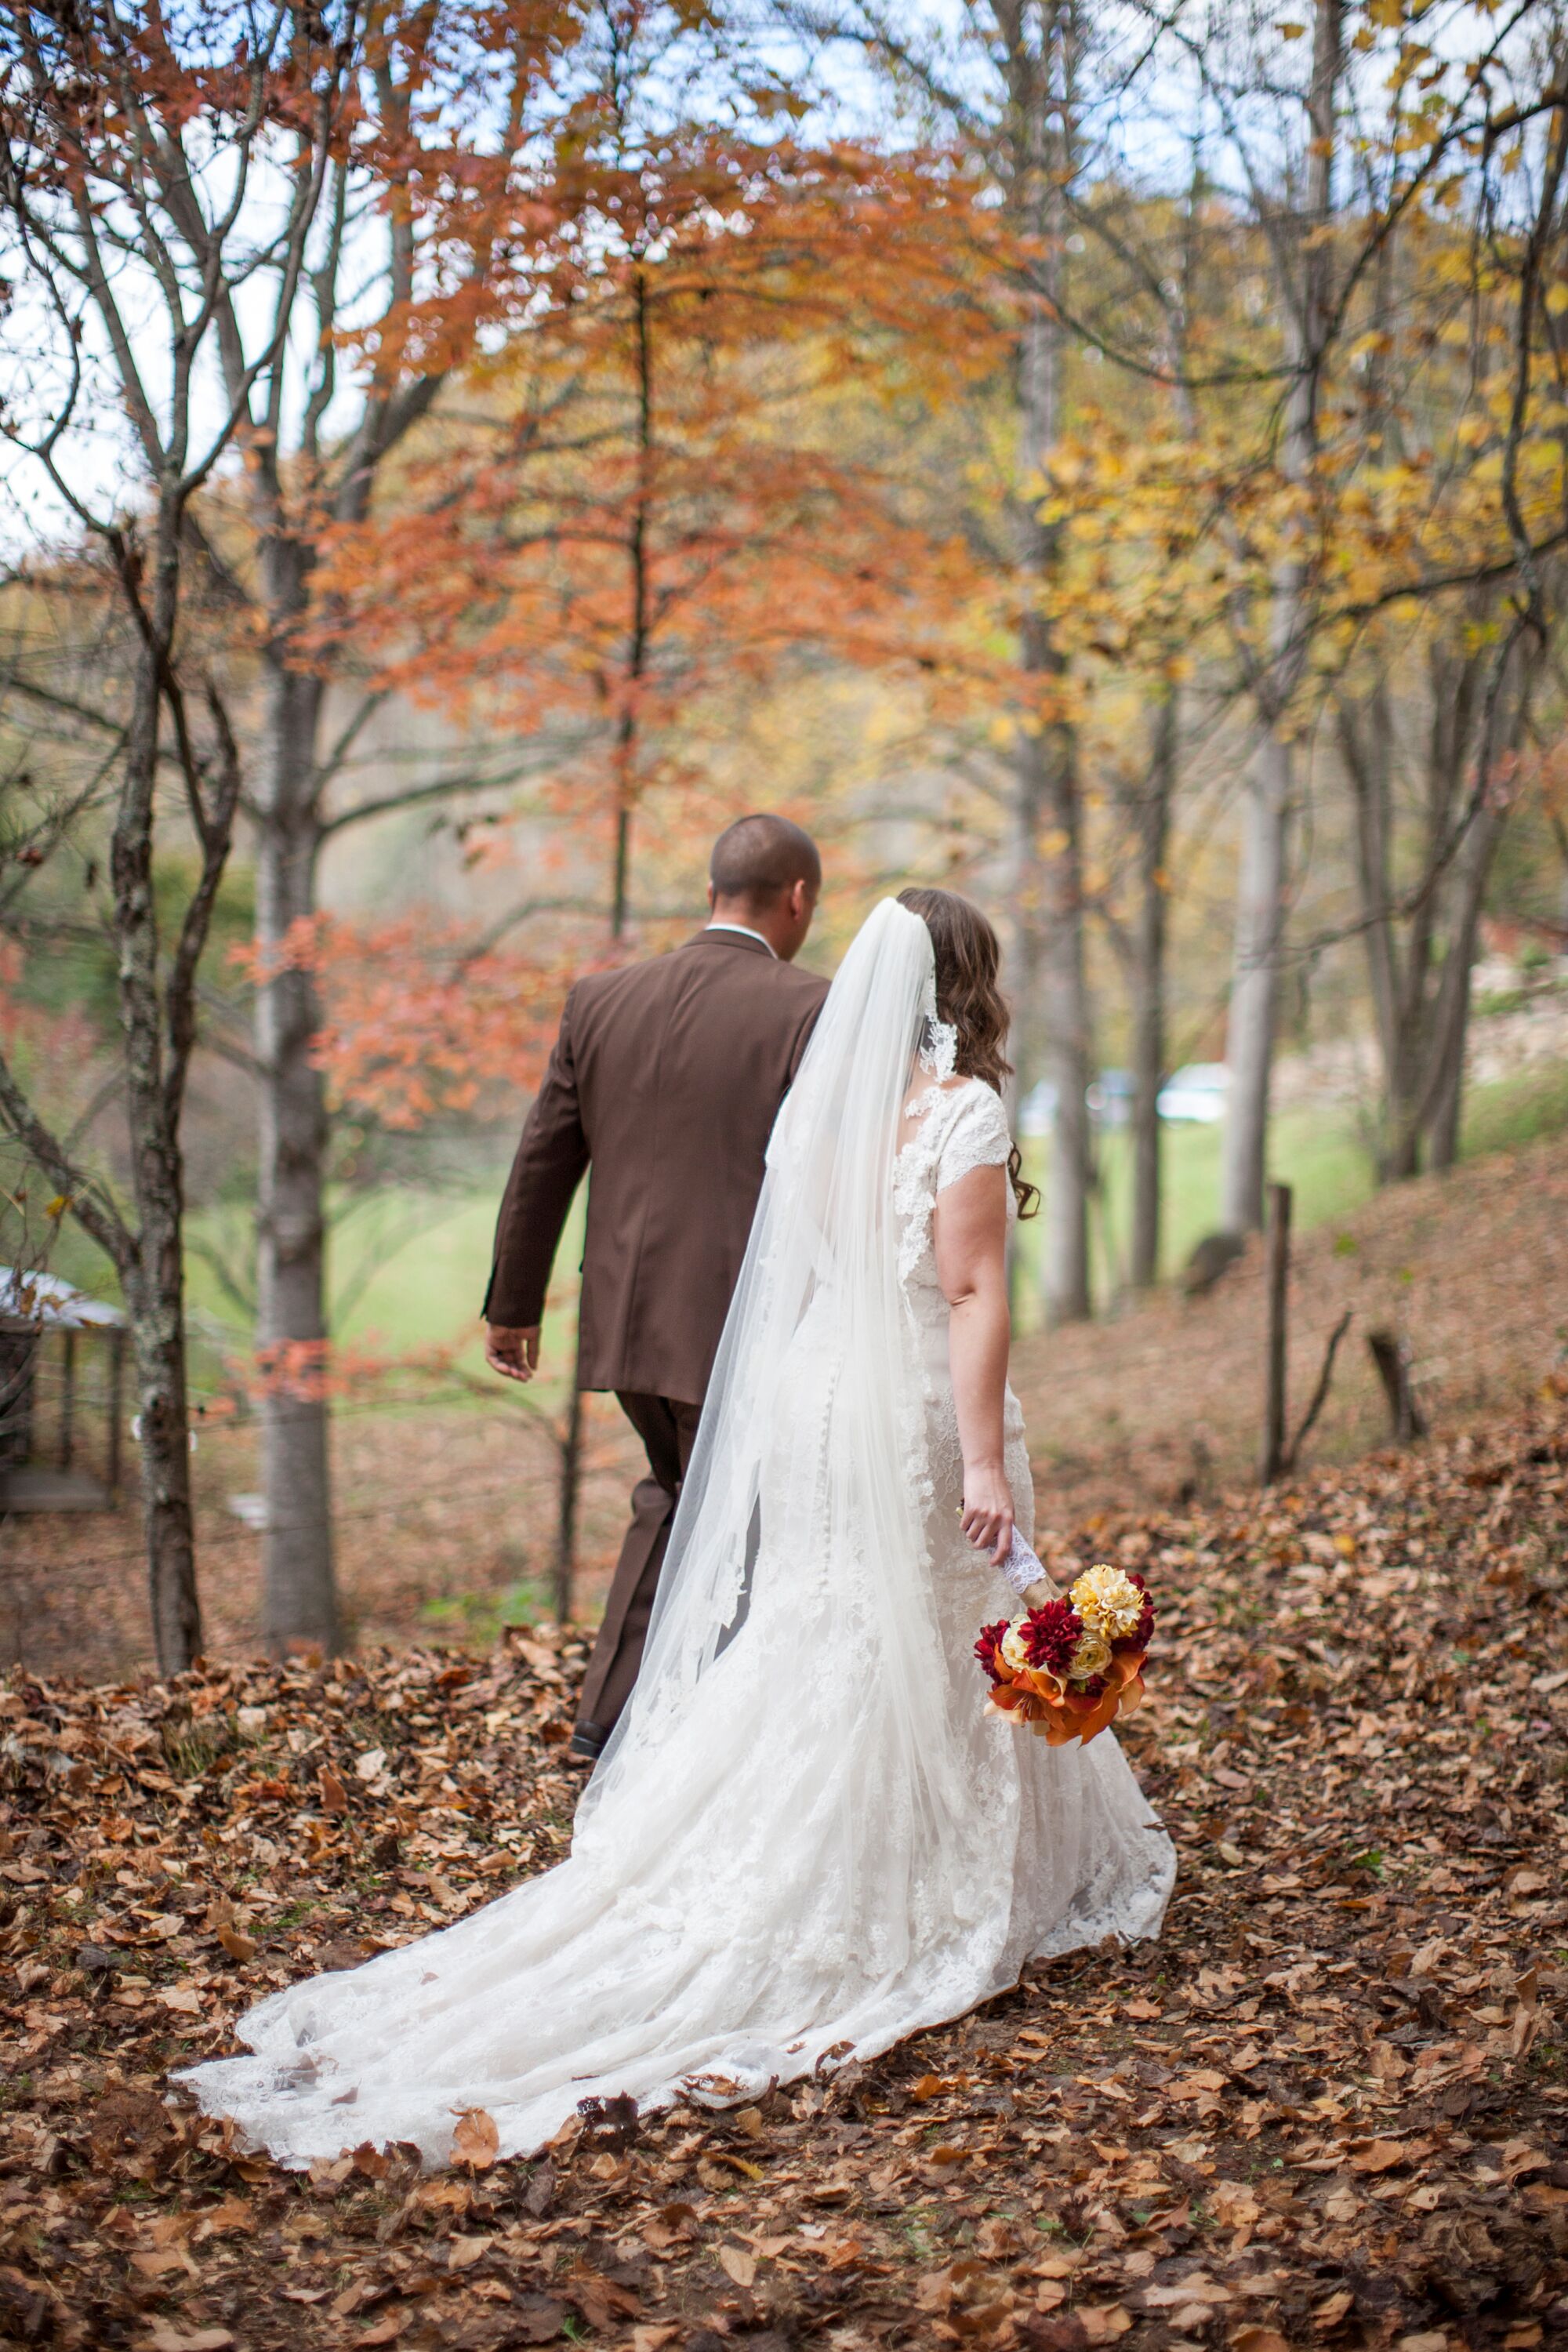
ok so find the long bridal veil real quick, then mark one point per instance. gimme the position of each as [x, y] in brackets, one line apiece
[807, 1486]
[803, 1839]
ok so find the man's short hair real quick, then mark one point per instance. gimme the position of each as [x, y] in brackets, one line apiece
[758, 856]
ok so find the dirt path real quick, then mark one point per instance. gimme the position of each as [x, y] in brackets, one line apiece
[1329, 2109]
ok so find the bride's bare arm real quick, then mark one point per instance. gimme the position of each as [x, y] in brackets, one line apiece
[969, 1234]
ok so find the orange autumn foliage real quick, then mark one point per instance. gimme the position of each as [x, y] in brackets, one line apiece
[650, 493]
[417, 1019]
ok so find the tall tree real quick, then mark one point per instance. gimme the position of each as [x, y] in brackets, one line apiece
[77, 178]
[338, 186]
[1038, 52]
[1301, 249]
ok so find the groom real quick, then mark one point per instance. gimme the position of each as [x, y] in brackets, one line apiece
[667, 1076]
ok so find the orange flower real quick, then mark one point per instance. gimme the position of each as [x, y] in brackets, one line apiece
[1057, 1713]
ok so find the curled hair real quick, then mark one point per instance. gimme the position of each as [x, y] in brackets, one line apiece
[967, 961]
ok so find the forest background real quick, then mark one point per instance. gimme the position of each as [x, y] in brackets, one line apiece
[1106, 459]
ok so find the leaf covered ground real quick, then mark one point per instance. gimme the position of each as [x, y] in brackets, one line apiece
[1329, 2109]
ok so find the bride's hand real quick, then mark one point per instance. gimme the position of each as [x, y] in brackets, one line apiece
[988, 1510]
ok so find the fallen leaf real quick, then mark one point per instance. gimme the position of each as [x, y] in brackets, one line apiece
[538, 2318]
[475, 2139]
[741, 2264]
[600, 2300]
[1383, 2155]
[382, 2331]
[1102, 2323]
[667, 2226]
[1182, 2293]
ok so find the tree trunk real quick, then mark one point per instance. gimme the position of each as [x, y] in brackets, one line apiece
[154, 1276]
[1149, 995]
[1445, 1098]
[1255, 986]
[1050, 980]
[166, 1514]
[1260, 909]
[300, 1607]
[568, 1496]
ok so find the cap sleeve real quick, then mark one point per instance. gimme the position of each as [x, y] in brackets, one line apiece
[977, 1137]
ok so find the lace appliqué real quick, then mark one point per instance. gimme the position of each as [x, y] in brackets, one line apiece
[939, 1050]
[939, 1055]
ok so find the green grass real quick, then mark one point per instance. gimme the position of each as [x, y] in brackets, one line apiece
[1322, 1160]
[478, 1619]
[1512, 1112]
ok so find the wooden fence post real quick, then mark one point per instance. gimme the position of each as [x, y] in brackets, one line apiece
[116, 1405]
[1277, 1280]
[67, 1399]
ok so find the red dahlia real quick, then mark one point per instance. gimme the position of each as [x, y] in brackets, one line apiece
[1051, 1635]
[989, 1642]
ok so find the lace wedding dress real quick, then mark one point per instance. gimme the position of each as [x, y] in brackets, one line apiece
[806, 1839]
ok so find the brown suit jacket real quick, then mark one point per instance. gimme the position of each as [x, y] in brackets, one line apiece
[668, 1076]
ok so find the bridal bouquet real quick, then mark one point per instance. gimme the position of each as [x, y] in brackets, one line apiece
[1070, 1668]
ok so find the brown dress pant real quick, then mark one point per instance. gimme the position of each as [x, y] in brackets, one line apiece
[668, 1431]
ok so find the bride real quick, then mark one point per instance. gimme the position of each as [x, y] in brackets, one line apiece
[806, 1838]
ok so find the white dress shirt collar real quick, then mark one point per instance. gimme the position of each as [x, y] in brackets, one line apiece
[746, 933]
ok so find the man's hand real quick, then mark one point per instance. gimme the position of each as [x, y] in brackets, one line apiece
[513, 1354]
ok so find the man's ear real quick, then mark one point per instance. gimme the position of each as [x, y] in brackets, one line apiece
[712, 896]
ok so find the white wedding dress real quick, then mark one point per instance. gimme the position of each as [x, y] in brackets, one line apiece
[807, 1837]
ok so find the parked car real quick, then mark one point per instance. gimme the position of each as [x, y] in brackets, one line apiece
[1195, 1093]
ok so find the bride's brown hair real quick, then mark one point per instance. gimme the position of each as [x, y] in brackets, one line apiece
[968, 958]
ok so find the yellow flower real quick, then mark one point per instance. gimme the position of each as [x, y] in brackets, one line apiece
[1107, 1599]
[1011, 1650]
[1092, 1654]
